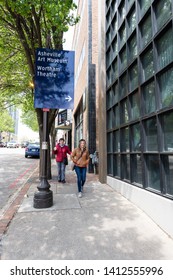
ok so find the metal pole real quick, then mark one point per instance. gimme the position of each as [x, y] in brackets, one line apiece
[43, 198]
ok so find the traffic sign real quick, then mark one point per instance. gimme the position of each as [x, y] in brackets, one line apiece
[54, 79]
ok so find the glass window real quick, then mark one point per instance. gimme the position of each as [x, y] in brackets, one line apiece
[79, 116]
[108, 76]
[123, 86]
[114, 26]
[124, 112]
[109, 99]
[114, 48]
[135, 138]
[123, 59]
[168, 168]
[135, 106]
[132, 48]
[165, 49]
[116, 167]
[144, 5]
[79, 133]
[115, 93]
[149, 99]
[167, 127]
[114, 112]
[153, 172]
[163, 11]
[147, 65]
[114, 6]
[108, 37]
[131, 22]
[79, 123]
[116, 141]
[109, 143]
[122, 12]
[122, 34]
[108, 57]
[129, 3]
[110, 164]
[166, 88]
[151, 136]
[125, 140]
[108, 18]
[114, 70]
[146, 31]
[125, 167]
[109, 119]
[136, 169]
[116, 117]
[133, 77]
[107, 3]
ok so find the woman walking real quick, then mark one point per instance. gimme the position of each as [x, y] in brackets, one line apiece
[61, 150]
[80, 157]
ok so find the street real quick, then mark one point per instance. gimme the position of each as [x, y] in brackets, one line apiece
[14, 170]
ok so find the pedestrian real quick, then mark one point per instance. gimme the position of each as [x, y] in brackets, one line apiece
[80, 157]
[61, 150]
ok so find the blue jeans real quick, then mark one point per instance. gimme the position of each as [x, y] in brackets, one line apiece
[61, 171]
[81, 177]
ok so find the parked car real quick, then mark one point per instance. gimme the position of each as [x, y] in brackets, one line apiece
[24, 144]
[3, 144]
[12, 144]
[32, 150]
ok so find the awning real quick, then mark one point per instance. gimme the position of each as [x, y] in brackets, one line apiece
[64, 127]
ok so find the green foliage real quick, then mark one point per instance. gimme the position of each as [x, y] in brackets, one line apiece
[14, 71]
[6, 122]
[30, 119]
[24, 26]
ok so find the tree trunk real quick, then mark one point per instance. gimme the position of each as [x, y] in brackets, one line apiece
[52, 138]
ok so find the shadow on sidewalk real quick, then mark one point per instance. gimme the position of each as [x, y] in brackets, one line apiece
[102, 225]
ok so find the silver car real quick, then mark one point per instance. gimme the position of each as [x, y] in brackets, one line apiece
[12, 144]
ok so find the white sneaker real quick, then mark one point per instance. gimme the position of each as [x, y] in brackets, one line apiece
[80, 195]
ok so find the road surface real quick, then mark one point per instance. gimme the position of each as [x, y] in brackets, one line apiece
[15, 169]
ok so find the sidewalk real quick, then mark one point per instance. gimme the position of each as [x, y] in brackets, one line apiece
[102, 225]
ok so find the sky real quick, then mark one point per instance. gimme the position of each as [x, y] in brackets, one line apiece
[68, 36]
[25, 133]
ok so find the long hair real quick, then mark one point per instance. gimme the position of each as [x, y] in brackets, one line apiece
[82, 140]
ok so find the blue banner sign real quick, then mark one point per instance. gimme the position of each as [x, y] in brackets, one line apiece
[54, 79]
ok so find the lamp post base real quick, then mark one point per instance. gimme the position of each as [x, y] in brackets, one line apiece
[43, 198]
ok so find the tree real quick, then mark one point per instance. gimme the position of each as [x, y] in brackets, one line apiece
[14, 74]
[31, 25]
[6, 122]
[29, 118]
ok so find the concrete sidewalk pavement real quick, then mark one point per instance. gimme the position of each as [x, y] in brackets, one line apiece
[102, 225]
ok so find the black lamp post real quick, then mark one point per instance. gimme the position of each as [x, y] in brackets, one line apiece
[43, 198]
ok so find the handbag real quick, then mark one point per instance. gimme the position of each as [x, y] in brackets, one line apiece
[72, 166]
[65, 161]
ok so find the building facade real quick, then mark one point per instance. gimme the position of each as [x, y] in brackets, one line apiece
[139, 104]
[14, 113]
[85, 44]
[63, 126]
